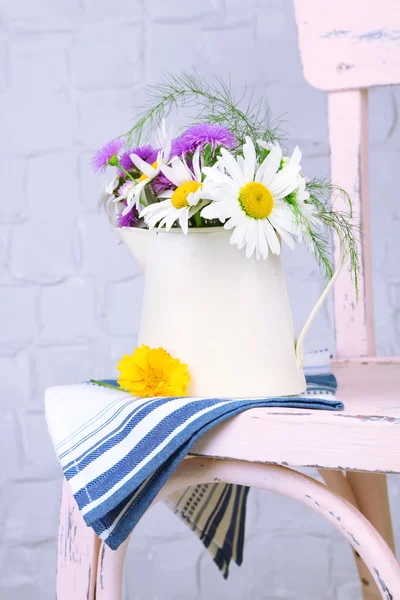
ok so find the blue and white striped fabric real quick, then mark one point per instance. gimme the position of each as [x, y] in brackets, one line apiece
[117, 452]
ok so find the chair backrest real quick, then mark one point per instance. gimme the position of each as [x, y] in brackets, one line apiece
[347, 46]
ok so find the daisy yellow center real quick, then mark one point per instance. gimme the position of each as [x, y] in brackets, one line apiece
[179, 197]
[144, 176]
[256, 200]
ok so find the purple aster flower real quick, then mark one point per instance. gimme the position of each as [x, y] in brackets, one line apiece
[103, 157]
[130, 219]
[147, 153]
[160, 184]
[179, 146]
[201, 135]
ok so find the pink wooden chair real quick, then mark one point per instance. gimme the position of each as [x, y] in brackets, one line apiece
[345, 50]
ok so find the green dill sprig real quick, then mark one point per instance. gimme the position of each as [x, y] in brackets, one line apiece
[323, 196]
[215, 102]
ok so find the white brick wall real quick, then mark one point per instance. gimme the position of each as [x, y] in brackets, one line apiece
[70, 75]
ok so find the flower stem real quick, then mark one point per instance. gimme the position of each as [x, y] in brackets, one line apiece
[108, 385]
[121, 168]
[198, 219]
[143, 201]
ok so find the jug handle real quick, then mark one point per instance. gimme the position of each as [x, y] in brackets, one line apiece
[299, 348]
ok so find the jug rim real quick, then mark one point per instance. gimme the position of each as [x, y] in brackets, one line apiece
[175, 230]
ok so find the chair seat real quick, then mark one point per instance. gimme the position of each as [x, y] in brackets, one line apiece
[363, 437]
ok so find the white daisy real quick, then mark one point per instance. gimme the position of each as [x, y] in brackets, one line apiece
[181, 203]
[265, 145]
[249, 197]
[301, 195]
[107, 198]
[149, 172]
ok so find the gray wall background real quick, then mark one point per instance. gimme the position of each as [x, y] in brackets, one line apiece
[71, 73]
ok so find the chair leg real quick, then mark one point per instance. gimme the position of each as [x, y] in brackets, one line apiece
[345, 517]
[371, 492]
[78, 549]
[339, 483]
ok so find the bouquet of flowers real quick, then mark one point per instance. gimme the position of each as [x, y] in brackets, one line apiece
[227, 169]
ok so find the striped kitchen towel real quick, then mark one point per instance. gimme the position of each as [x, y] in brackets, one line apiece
[117, 451]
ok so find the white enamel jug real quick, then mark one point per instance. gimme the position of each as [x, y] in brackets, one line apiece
[224, 315]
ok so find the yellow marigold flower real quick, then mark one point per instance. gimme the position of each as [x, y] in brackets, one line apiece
[153, 372]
